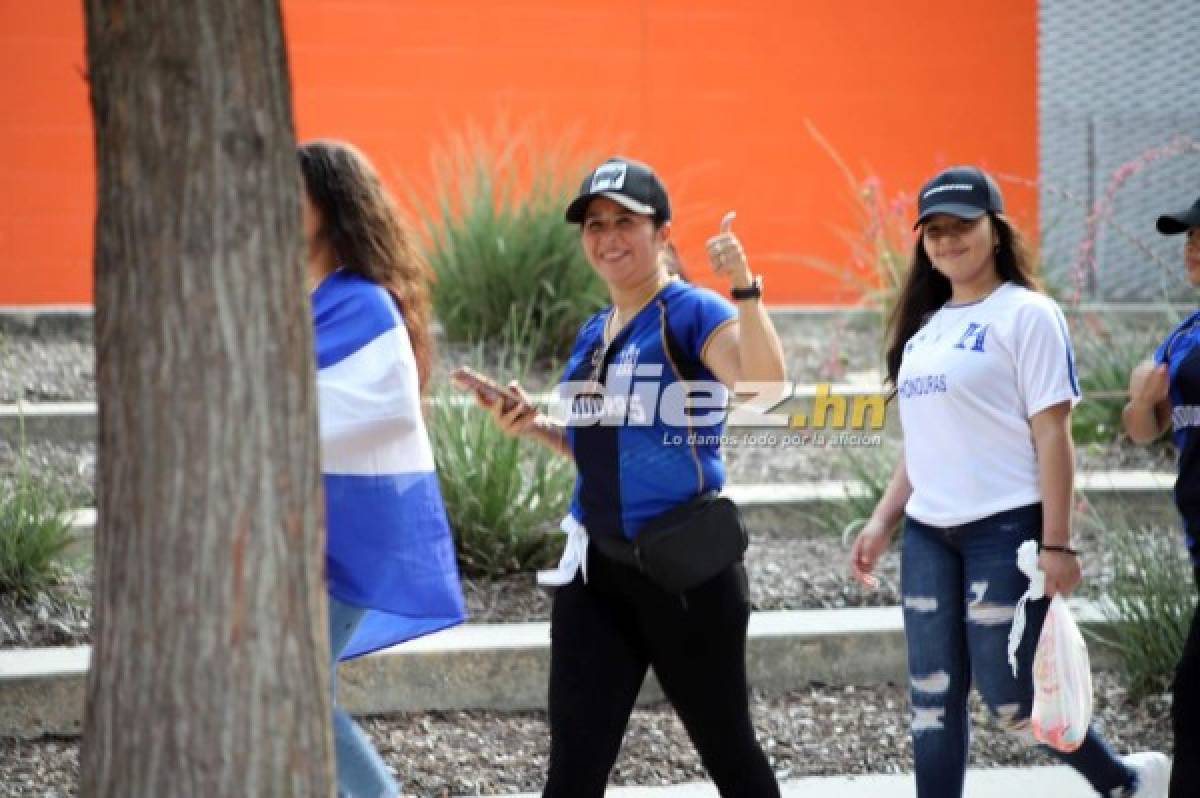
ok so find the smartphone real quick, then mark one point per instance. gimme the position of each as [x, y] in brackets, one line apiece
[488, 389]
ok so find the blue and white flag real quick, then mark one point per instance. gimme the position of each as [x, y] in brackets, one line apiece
[389, 547]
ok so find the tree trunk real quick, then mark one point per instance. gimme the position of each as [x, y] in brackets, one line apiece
[209, 674]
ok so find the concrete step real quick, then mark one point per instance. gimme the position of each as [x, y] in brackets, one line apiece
[780, 509]
[47, 319]
[56, 422]
[506, 667]
[856, 405]
[783, 510]
[63, 422]
[44, 321]
[1059, 781]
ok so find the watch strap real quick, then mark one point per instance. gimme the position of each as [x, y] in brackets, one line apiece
[752, 291]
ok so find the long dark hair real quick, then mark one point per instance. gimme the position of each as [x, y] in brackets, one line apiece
[360, 220]
[926, 289]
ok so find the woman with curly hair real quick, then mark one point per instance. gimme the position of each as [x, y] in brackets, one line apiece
[389, 555]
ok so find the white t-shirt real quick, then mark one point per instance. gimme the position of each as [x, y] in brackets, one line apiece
[969, 382]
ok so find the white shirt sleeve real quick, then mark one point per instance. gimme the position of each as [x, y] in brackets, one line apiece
[1044, 359]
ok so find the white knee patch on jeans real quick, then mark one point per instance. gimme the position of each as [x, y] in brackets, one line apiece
[937, 682]
[985, 613]
[991, 614]
[920, 603]
[928, 719]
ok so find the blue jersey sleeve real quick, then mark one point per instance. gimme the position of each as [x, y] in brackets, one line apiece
[1167, 347]
[697, 315]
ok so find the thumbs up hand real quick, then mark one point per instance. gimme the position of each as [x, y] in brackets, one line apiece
[726, 255]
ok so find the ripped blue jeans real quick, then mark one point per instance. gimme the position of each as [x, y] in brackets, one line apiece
[960, 586]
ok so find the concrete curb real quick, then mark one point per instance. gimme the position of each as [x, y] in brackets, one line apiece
[65, 422]
[776, 508]
[1058, 780]
[59, 422]
[504, 667]
[856, 407]
[43, 321]
[783, 510]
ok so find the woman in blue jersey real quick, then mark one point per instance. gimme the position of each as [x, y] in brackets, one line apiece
[985, 380]
[1165, 394]
[640, 455]
[389, 555]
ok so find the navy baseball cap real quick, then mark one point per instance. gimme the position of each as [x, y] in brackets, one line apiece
[630, 183]
[1181, 221]
[963, 191]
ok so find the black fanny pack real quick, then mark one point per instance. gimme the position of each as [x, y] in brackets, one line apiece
[685, 546]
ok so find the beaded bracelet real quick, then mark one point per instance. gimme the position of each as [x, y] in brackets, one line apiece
[1062, 549]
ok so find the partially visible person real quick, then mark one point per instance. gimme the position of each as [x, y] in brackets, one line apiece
[984, 375]
[643, 465]
[389, 555]
[1164, 393]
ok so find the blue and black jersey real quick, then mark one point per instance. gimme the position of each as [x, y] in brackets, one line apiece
[636, 453]
[1181, 353]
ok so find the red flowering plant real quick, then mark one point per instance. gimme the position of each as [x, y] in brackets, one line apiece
[880, 241]
[1100, 214]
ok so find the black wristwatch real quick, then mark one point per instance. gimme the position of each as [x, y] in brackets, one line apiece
[752, 291]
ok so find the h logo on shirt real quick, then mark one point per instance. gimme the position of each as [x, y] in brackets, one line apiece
[627, 360]
[974, 336]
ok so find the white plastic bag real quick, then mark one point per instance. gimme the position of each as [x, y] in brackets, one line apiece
[1062, 675]
[1062, 681]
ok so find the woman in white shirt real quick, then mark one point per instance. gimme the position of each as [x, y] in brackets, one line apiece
[985, 380]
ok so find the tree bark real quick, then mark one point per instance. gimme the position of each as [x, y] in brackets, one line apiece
[209, 675]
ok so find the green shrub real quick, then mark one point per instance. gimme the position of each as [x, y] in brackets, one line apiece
[500, 248]
[1105, 355]
[35, 531]
[504, 497]
[881, 241]
[1149, 605]
[872, 469]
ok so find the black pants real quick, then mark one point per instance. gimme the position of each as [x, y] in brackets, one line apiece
[1185, 715]
[604, 634]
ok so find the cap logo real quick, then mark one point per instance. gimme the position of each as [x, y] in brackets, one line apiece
[949, 187]
[609, 177]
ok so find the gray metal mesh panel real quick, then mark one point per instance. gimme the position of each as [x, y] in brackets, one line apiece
[1117, 79]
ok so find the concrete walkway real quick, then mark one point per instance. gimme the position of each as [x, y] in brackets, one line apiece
[1036, 782]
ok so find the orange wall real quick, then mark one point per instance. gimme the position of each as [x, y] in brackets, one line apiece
[716, 95]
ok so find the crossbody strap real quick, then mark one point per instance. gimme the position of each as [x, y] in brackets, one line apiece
[691, 368]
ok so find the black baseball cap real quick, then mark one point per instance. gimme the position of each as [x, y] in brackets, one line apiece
[1181, 221]
[625, 181]
[963, 191]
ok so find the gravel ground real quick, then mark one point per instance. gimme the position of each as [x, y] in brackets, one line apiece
[837, 348]
[54, 365]
[51, 369]
[815, 730]
[59, 368]
[59, 618]
[785, 574]
[72, 466]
